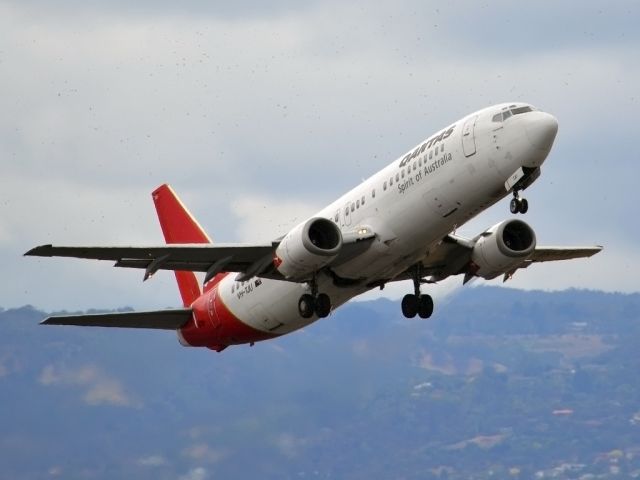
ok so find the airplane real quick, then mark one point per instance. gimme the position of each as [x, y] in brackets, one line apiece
[397, 225]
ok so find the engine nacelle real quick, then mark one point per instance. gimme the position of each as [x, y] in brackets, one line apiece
[307, 248]
[502, 248]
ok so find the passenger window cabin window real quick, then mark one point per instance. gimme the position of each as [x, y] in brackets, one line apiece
[391, 181]
[402, 172]
[362, 200]
[353, 207]
[430, 154]
[373, 193]
[397, 177]
[358, 203]
[415, 165]
[384, 186]
[336, 218]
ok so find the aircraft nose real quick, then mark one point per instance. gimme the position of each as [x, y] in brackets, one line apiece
[541, 130]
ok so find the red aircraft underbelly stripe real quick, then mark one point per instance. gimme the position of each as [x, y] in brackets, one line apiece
[216, 327]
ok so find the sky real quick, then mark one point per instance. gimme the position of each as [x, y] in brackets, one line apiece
[260, 115]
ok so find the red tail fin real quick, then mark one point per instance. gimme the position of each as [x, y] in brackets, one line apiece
[179, 226]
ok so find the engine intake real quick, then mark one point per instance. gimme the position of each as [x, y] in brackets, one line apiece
[502, 248]
[307, 248]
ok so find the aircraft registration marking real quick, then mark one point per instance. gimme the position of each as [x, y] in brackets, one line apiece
[247, 288]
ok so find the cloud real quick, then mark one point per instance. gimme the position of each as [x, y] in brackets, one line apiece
[152, 461]
[162, 8]
[361, 348]
[289, 445]
[8, 364]
[250, 110]
[56, 471]
[204, 453]
[99, 388]
[265, 218]
[198, 473]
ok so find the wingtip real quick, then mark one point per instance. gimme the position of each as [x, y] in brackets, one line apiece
[39, 251]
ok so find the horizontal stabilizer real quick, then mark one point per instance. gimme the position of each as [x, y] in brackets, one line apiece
[158, 319]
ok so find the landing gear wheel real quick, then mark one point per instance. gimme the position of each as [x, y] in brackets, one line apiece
[514, 205]
[323, 305]
[306, 306]
[410, 305]
[425, 308]
[518, 204]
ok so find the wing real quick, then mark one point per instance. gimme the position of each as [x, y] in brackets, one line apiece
[552, 254]
[160, 319]
[248, 260]
[210, 258]
[452, 256]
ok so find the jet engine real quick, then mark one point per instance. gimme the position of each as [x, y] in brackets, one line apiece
[307, 248]
[502, 248]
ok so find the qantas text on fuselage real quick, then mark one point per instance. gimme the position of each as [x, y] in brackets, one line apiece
[397, 225]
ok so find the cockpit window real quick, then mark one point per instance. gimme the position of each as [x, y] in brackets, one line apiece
[513, 110]
[519, 110]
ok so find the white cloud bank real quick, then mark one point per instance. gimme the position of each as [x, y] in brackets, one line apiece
[261, 117]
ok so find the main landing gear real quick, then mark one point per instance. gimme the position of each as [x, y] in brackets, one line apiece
[314, 302]
[518, 204]
[417, 303]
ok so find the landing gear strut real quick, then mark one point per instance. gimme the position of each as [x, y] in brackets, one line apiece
[318, 303]
[518, 204]
[417, 303]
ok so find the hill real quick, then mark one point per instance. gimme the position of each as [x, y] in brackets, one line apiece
[500, 383]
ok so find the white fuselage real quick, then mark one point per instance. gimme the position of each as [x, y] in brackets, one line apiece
[410, 205]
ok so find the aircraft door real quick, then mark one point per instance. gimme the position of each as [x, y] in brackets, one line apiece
[346, 215]
[468, 136]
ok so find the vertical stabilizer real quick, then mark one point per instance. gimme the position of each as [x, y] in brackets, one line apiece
[179, 226]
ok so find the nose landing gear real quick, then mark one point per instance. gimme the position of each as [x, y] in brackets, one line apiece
[518, 204]
[417, 303]
[518, 181]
